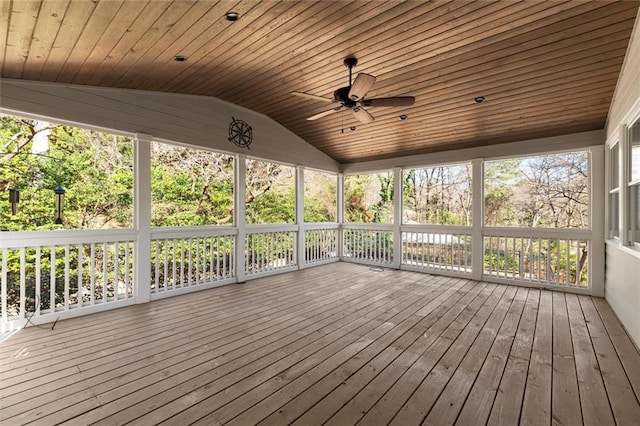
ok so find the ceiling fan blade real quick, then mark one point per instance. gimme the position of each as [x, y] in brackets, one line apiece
[314, 97]
[389, 102]
[325, 113]
[361, 86]
[362, 115]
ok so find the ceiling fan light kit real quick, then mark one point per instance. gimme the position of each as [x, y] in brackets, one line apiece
[353, 96]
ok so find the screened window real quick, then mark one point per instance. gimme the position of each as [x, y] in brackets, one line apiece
[190, 187]
[634, 183]
[320, 196]
[95, 170]
[270, 194]
[614, 192]
[548, 191]
[368, 198]
[437, 195]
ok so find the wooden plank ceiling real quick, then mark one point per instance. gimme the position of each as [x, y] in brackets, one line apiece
[545, 68]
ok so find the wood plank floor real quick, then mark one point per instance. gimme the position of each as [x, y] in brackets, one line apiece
[338, 344]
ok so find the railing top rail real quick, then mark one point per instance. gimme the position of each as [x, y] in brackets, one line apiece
[370, 226]
[437, 229]
[192, 231]
[260, 229]
[584, 234]
[321, 225]
[11, 240]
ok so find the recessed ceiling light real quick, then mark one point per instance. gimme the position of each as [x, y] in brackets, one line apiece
[232, 16]
[478, 99]
[179, 58]
[403, 116]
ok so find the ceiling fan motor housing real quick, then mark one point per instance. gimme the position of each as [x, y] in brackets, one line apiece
[350, 62]
[342, 95]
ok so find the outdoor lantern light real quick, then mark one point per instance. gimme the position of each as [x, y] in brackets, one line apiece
[14, 199]
[59, 191]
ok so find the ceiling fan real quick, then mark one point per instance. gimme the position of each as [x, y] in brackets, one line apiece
[353, 97]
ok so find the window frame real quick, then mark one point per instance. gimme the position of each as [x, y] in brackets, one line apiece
[613, 192]
[632, 186]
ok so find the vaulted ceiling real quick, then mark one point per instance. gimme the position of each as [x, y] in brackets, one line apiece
[544, 68]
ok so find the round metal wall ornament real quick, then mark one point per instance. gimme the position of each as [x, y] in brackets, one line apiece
[240, 133]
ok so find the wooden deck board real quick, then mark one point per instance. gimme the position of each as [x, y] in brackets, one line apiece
[565, 398]
[508, 402]
[593, 397]
[452, 396]
[424, 325]
[477, 407]
[336, 344]
[536, 405]
[417, 340]
[417, 368]
[355, 408]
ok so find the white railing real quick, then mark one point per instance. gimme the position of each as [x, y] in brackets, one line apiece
[321, 243]
[364, 243]
[270, 248]
[44, 274]
[437, 248]
[545, 256]
[47, 273]
[191, 257]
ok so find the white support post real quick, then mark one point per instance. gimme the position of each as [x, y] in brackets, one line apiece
[240, 210]
[597, 203]
[142, 217]
[397, 217]
[477, 216]
[300, 252]
[340, 212]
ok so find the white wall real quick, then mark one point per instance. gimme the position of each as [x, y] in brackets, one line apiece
[622, 275]
[622, 281]
[188, 119]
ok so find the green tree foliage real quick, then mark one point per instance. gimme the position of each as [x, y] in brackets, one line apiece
[320, 197]
[270, 194]
[548, 191]
[438, 195]
[94, 168]
[368, 198]
[190, 187]
[355, 207]
[500, 178]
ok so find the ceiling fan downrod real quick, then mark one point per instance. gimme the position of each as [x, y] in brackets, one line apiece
[350, 62]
